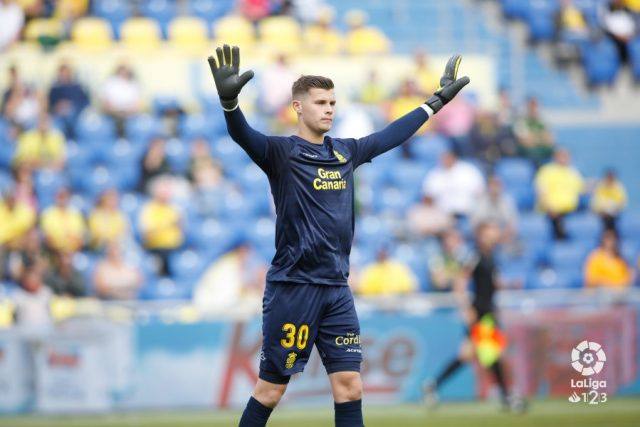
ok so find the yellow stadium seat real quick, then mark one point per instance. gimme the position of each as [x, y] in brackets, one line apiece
[140, 34]
[234, 30]
[92, 33]
[281, 33]
[43, 27]
[188, 33]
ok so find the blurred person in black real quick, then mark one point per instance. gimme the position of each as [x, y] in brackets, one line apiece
[477, 312]
[67, 98]
[63, 278]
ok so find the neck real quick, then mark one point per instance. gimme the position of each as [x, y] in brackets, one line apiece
[311, 136]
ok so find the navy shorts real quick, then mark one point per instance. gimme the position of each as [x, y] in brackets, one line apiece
[297, 316]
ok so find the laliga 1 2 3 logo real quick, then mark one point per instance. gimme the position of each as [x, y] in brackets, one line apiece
[588, 358]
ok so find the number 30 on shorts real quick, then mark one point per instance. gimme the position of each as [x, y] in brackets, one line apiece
[300, 339]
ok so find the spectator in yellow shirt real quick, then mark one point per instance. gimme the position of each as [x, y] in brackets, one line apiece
[609, 199]
[428, 80]
[321, 37]
[43, 147]
[107, 224]
[633, 5]
[62, 225]
[558, 187]
[405, 101]
[373, 91]
[387, 277]
[160, 224]
[361, 39]
[17, 218]
[605, 267]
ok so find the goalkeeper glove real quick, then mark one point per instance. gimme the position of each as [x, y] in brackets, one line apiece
[450, 85]
[225, 75]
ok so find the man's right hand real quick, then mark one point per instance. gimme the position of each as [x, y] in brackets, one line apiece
[225, 75]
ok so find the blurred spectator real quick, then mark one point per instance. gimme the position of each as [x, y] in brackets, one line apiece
[32, 301]
[485, 139]
[496, 207]
[455, 122]
[308, 10]
[558, 186]
[63, 278]
[67, 99]
[107, 223]
[455, 185]
[619, 25]
[633, 5]
[386, 277]
[362, 39]
[30, 254]
[69, 10]
[321, 37]
[121, 96]
[609, 199]
[21, 104]
[426, 219]
[405, 101]
[154, 163]
[24, 188]
[17, 218]
[275, 86]
[448, 261]
[62, 225]
[428, 80]
[571, 29]
[506, 116]
[210, 188]
[373, 91]
[161, 225]
[235, 277]
[114, 277]
[43, 147]
[201, 159]
[535, 142]
[355, 122]
[12, 18]
[254, 10]
[605, 267]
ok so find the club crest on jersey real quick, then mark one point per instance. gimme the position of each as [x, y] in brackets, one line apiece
[339, 156]
[291, 359]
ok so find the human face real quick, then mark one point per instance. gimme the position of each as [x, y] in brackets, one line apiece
[315, 109]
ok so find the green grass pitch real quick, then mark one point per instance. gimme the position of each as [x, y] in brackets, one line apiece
[617, 412]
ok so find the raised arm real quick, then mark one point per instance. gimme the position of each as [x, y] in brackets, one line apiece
[400, 130]
[229, 84]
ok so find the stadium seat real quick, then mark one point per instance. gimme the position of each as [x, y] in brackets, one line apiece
[162, 11]
[142, 34]
[7, 149]
[534, 227]
[114, 11]
[568, 254]
[47, 183]
[92, 127]
[140, 129]
[40, 28]
[234, 30]
[371, 231]
[584, 227]
[515, 172]
[428, 149]
[164, 288]
[634, 57]
[200, 126]
[280, 33]
[188, 34]
[186, 265]
[541, 19]
[178, 155]
[601, 61]
[210, 10]
[92, 33]
[515, 9]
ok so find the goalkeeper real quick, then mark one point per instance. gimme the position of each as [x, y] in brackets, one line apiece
[307, 300]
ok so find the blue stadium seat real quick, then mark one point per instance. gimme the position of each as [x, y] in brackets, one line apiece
[114, 11]
[428, 149]
[165, 289]
[140, 129]
[408, 175]
[213, 237]
[163, 11]
[229, 153]
[515, 172]
[601, 61]
[131, 203]
[540, 18]
[516, 9]
[584, 227]
[392, 200]
[534, 228]
[47, 183]
[210, 10]
[634, 57]
[187, 265]
[85, 263]
[629, 226]
[524, 196]
[371, 231]
[178, 155]
[93, 127]
[568, 254]
[6, 181]
[99, 179]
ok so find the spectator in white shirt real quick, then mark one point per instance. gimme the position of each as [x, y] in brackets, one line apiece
[498, 208]
[12, 19]
[455, 185]
[121, 96]
[32, 301]
[275, 86]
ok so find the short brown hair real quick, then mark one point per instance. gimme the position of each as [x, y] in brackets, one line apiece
[304, 83]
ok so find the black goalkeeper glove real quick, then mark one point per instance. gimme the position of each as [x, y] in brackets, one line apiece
[225, 74]
[450, 85]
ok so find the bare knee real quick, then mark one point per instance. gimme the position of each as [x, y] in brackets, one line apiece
[269, 394]
[346, 386]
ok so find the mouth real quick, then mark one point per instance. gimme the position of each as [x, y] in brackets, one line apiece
[327, 120]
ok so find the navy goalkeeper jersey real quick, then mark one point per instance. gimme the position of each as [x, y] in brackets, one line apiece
[312, 187]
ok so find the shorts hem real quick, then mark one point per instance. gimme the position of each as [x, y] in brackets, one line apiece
[342, 366]
[274, 377]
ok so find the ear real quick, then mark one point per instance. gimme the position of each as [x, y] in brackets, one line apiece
[297, 106]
